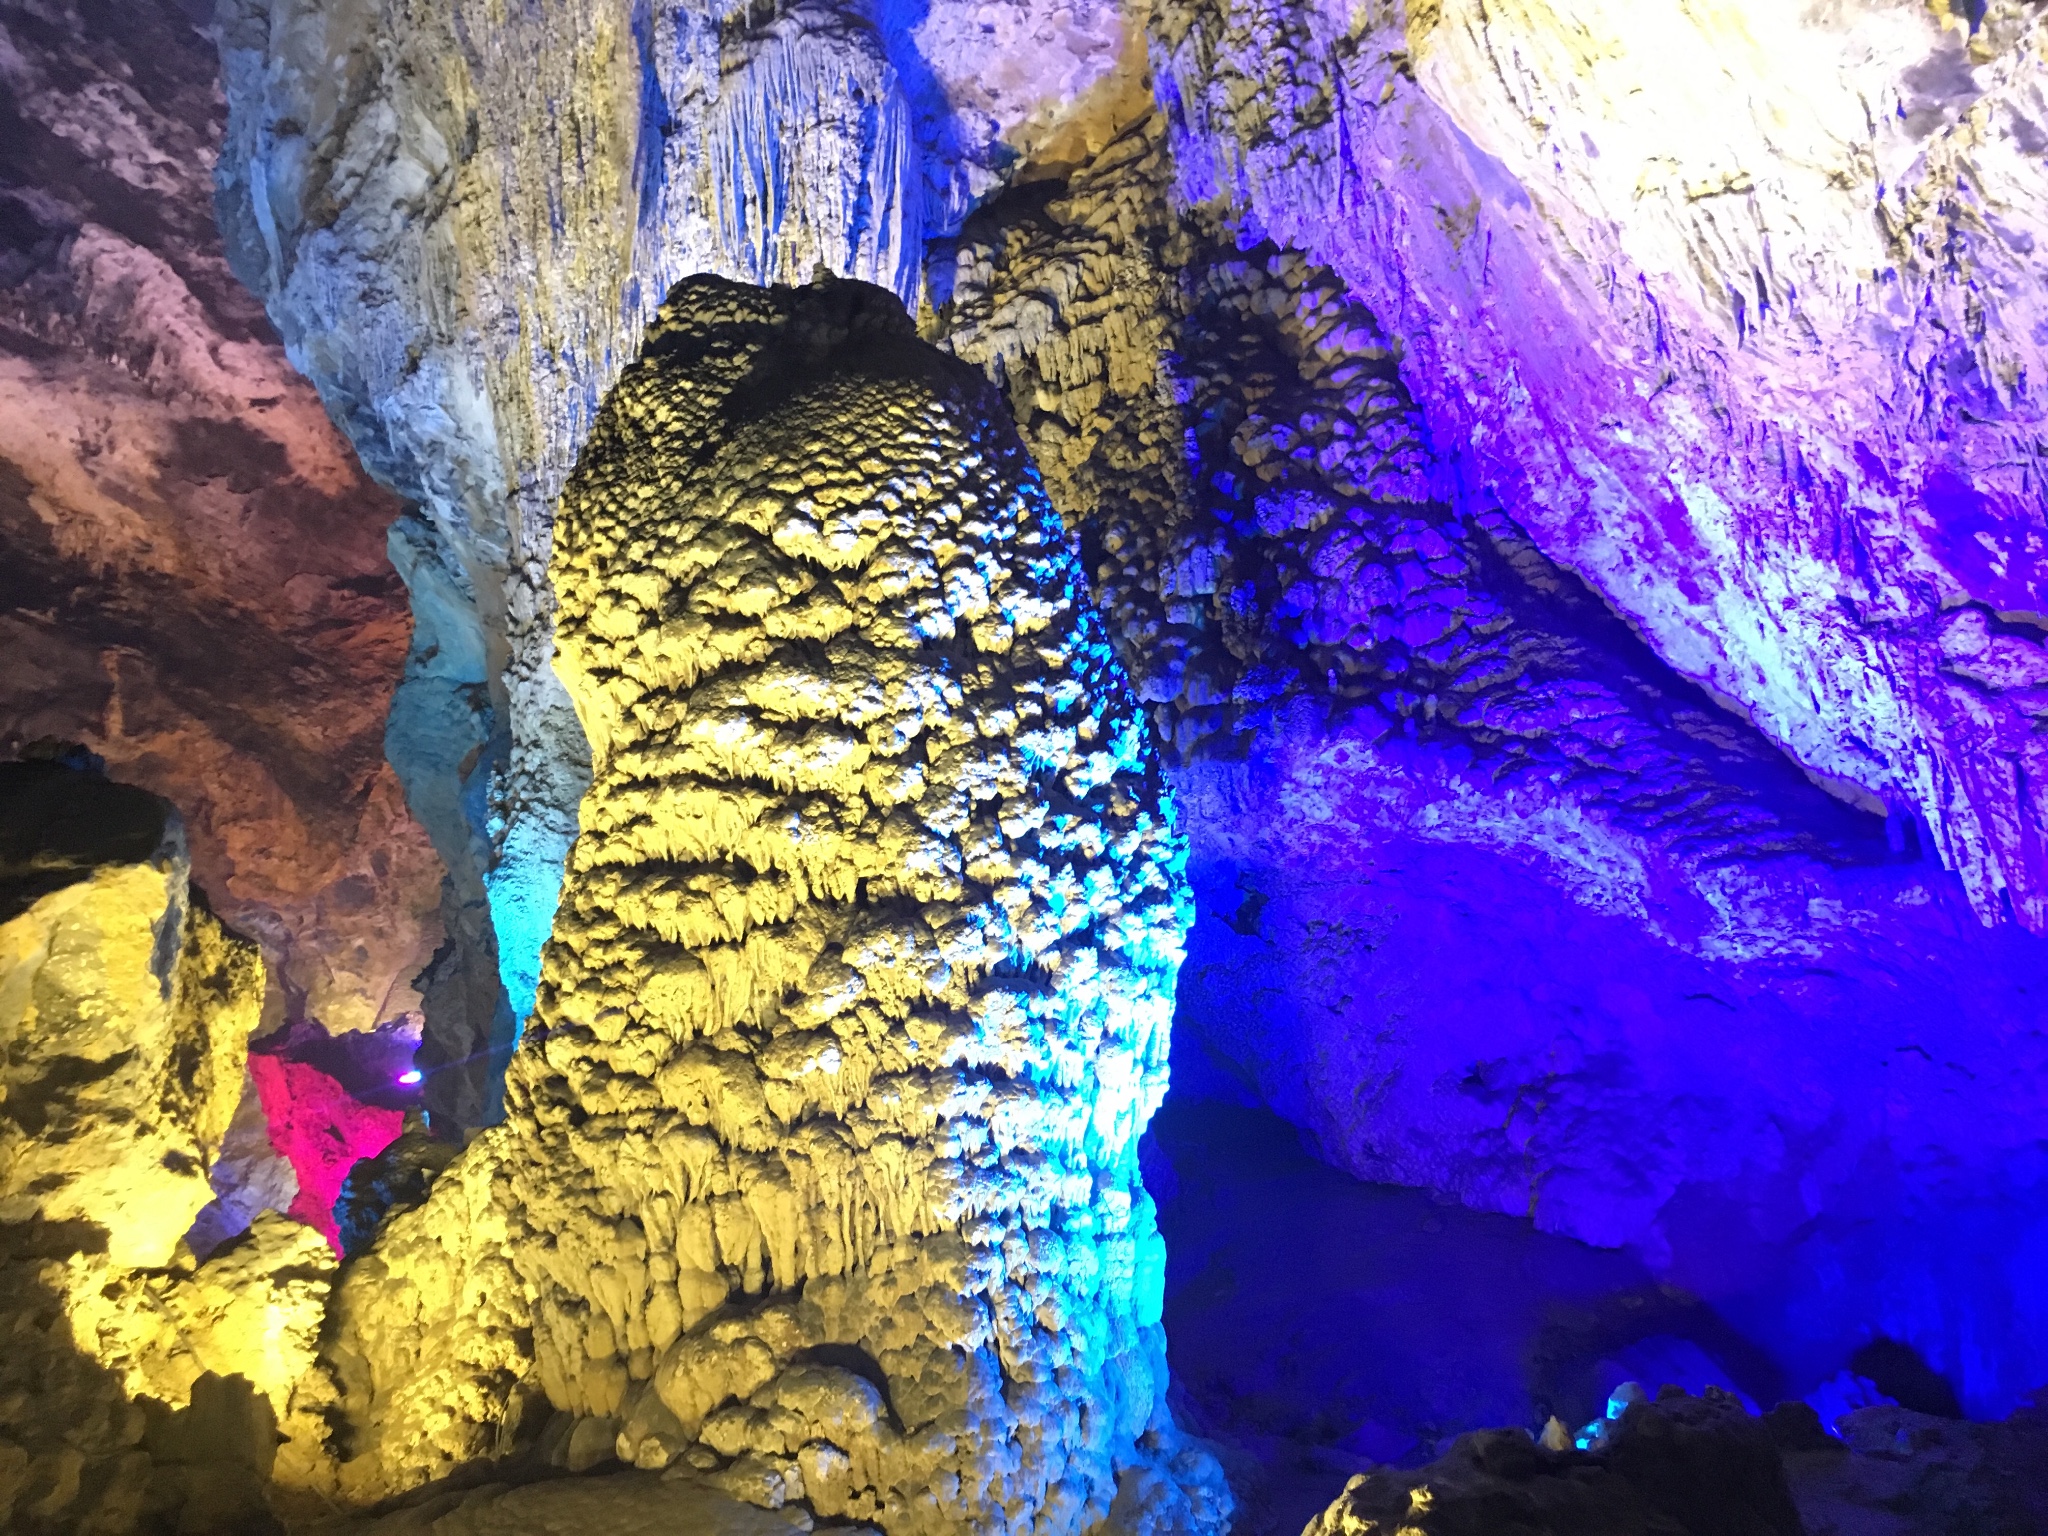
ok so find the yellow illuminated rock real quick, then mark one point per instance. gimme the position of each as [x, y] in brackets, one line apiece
[253, 1311]
[819, 1178]
[137, 1388]
[125, 1014]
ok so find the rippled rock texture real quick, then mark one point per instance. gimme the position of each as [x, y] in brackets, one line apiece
[819, 1172]
[196, 585]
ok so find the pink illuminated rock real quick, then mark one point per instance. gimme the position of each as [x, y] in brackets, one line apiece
[322, 1130]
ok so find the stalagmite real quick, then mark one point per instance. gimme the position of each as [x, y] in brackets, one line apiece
[819, 1176]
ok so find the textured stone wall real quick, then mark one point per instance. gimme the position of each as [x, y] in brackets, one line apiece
[196, 586]
[1491, 900]
[819, 1175]
[1732, 307]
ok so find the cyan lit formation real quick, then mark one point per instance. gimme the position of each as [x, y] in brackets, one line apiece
[819, 1172]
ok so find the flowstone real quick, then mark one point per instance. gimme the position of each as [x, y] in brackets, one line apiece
[819, 1173]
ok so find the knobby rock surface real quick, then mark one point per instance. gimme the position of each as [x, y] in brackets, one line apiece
[138, 1387]
[819, 1174]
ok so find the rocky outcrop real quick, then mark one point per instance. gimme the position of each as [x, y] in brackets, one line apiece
[396, 1179]
[1730, 307]
[136, 1383]
[819, 1174]
[1891, 1470]
[1681, 1466]
[1686, 1466]
[127, 1011]
[196, 586]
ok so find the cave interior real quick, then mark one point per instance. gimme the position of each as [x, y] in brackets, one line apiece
[1076, 767]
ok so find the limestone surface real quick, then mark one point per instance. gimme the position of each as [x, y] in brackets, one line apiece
[819, 1173]
[461, 219]
[1732, 306]
[136, 1385]
[196, 587]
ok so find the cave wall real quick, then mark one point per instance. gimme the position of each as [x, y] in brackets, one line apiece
[1559, 480]
[140, 1388]
[196, 587]
[1578, 567]
[1733, 309]
[1493, 901]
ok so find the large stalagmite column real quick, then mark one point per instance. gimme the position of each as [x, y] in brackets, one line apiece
[820, 1173]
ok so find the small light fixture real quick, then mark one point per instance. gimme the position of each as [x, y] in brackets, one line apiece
[409, 1078]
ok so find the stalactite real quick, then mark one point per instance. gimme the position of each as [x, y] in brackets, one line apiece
[812, 158]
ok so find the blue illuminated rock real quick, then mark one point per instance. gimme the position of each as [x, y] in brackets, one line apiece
[1492, 901]
[819, 1174]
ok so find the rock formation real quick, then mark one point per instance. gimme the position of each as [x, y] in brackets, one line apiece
[196, 586]
[1681, 1466]
[135, 1383]
[1559, 478]
[819, 1170]
[1488, 892]
[1576, 567]
[462, 246]
[1687, 1466]
[127, 1013]
[1731, 307]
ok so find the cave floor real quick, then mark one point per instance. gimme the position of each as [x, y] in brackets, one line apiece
[1317, 1324]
